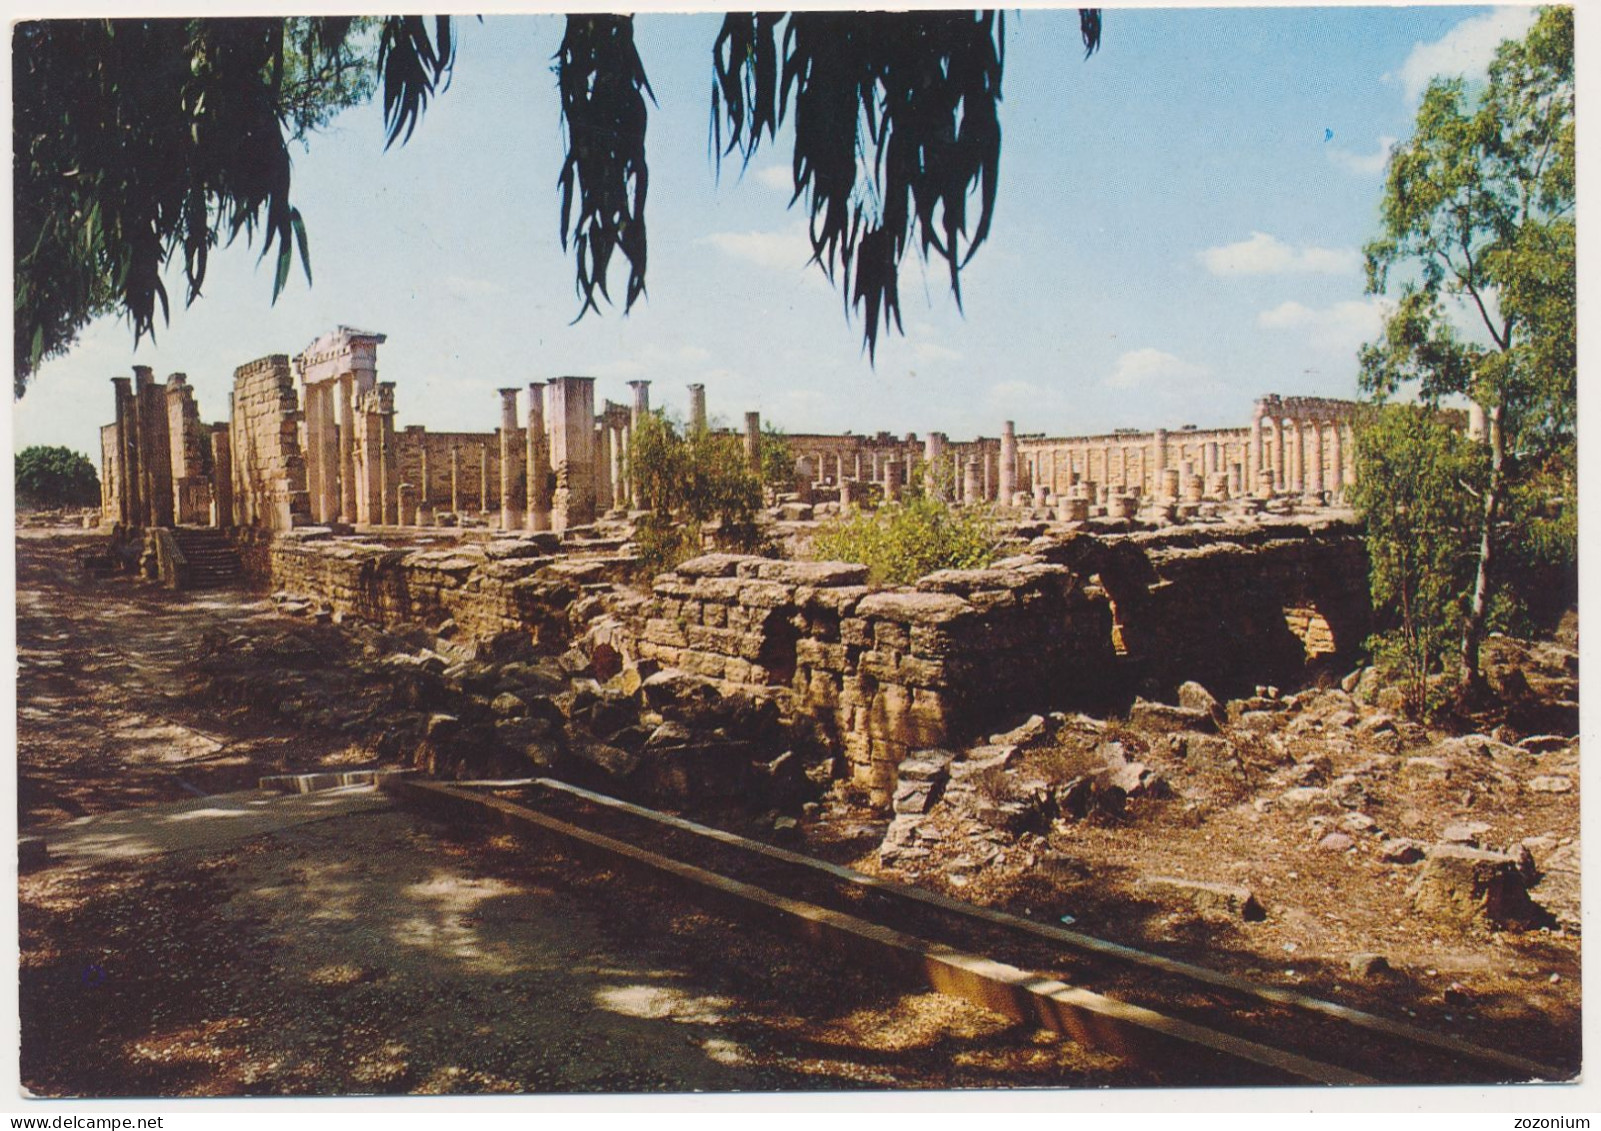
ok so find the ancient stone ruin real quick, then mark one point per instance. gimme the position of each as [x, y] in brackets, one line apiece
[1135, 560]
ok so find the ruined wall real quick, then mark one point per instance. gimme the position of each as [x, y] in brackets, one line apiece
[1085, 622]
[880, 673]
[486, 588]
[269, 473]
[1234, 606]
[413, 441]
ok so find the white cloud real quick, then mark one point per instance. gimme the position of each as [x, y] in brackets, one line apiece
[1363, 164]
[1263, 254]
[1466, 49]
[1339, 328]
[787, 250]
[1148, 367]
[779, 177]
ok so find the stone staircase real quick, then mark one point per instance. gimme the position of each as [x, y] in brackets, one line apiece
[213, 560]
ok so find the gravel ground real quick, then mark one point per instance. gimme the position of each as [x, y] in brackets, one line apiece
[375, 952]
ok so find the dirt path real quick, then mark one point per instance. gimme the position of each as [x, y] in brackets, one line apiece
[370, 951]
[102, 719]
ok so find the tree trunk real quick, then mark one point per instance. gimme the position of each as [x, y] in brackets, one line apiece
[1473, 630]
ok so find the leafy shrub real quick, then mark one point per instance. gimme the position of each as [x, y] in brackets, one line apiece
[687, 482]
[901, 542]
[55, 477]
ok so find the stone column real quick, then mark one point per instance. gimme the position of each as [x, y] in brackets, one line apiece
[697, 409]
[1276, 452]
[572, 450]
[483, 479]
[1007, 462]
[539, 492]
[1336, 485]
[1169, 491]
[388, 454]
[989, 480]
[1158, 458]
[603, 458]
[1476, 426]
[328, 455]
[1236, 480]
[805, 478]
[856, 473]
[619, 472]
[347, 447]
[455, 482]
[753, 441]
[425, 498]
[1315, 463]
[1297, 468]
[970, 495]
[892, 479]
[222, 474]
[122, 456]
[1348, 476]
[316, 472]
[511, 514]
[933, 450]
[1253, 461]
[408, 504]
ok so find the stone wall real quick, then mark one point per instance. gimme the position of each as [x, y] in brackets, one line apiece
[880, 673]
[1083, 622]
[269, 472]
[1232, 606]
[487, 588]
[414, 441]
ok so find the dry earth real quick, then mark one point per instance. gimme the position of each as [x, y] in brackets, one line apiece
[376, 953]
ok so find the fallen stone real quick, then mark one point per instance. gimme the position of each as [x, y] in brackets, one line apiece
[1136, 779]
[1163, 717]
[1088, 796]
[1550, 783]
[1464, 832]
[1367, 965]
[1470, 885]
[1336, 842]
[1545, 743]
[1401, 850]
[1229, 899]
[1034, 729]
[508, 706]
[1358, 823]
[926, 766]
[1306, 797]
[1192, 696]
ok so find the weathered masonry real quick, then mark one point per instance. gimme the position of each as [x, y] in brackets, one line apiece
[313, 441]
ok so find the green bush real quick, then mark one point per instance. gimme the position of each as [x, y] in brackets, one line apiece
[55, 477]
[901, 542]
[686, 483]
[1418, 487]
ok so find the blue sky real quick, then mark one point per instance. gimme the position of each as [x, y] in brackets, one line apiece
[1178, 231]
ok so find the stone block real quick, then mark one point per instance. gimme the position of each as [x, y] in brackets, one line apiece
[915, 608]
[1470, 885]
[822, 574]
[1229, 899]
[714, 565]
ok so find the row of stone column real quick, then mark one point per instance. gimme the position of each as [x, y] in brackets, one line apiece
[1301, 457]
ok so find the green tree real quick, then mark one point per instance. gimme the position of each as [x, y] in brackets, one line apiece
[778, 466]
[1478, 212]
[1416, 478]
[136, 141]
[141, 140]
[56, 477]
[688, 484]
[900, 542]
